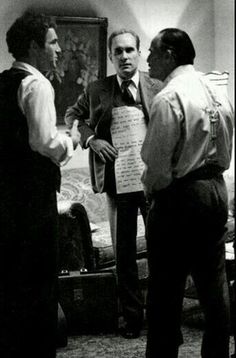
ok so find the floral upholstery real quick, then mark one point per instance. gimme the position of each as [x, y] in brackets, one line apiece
[76, 188]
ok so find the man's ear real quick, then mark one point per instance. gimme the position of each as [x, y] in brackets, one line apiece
[171, 54]
[110, 56]
[33, 45]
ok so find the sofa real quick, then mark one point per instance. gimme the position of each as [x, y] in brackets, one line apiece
[76, 191]
[76, 188]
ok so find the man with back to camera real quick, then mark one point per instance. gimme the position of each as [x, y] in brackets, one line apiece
[108, 104]
[31, 152]
[186, 150]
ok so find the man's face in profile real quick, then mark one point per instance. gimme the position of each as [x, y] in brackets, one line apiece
[48, 56]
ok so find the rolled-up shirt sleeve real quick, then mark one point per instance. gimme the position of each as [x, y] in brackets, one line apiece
[36, 99]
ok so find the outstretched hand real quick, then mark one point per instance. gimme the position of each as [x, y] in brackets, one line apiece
[104, 149]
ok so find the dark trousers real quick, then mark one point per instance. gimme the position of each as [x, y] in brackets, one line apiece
[233, 320]
[123, 212]
[185, 235]
[28, 280]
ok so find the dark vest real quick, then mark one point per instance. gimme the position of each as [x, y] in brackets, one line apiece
[20, 166]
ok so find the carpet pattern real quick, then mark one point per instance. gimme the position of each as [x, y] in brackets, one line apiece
[114, 346]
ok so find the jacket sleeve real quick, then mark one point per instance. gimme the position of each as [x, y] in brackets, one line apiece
[80, 111]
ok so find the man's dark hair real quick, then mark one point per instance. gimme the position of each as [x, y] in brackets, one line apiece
[121, 32]
[179, 43]
[30, 26]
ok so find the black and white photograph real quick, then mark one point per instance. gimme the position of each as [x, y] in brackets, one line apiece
[117, 176]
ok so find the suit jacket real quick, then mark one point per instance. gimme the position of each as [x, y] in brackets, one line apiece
[93, 110]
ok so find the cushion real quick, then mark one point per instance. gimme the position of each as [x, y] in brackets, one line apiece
[101, 237]
[76, 188]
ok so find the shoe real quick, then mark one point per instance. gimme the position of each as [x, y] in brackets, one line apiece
[129, 332]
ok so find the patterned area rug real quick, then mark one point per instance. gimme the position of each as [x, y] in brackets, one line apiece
[111, 346]
[114, 346]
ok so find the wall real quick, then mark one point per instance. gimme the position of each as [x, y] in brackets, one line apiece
[209, 23]
[225, 40]
[145, 17]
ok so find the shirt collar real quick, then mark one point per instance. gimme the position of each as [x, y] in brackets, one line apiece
[27, 67]
[179, 71]
[135, 79]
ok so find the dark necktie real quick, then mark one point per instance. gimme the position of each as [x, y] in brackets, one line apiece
[126, 93]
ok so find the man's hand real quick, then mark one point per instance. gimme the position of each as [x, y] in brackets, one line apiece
[104, 149]
[74, 134]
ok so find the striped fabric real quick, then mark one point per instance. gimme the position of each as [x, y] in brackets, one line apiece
[218, 78]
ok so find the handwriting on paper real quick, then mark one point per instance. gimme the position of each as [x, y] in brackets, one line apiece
[128, 130]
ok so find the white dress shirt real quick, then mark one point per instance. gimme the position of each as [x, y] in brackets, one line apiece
[179, 136]
[133, 87]
[36, 100]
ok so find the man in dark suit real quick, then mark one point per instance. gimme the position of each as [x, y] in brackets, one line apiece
[105, 105]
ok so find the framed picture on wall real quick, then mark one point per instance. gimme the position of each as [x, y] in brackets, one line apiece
[83, 42]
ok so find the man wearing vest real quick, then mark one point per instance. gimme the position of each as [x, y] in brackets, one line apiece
[31, 152]
[113, 115]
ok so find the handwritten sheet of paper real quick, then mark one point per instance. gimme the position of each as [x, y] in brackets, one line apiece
[128, 130]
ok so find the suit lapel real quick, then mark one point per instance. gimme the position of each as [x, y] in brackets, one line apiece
[107, 93]
[146, 93]
[147, 89]
[106, 99]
